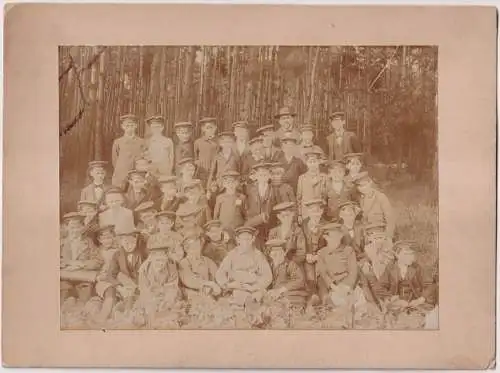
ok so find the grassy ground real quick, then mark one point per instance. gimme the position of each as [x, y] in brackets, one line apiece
[417, 219]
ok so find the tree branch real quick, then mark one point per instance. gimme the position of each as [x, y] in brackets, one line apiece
[386, 66]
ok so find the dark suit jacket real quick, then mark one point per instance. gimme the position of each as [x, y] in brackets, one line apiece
[293, 170]
[350, 144]
[133, 201]
[257, 205]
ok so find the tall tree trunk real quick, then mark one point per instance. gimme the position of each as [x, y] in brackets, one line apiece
[188, 80]
[232, 85]
[313, 85]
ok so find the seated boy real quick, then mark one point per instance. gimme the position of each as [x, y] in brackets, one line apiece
[169, 199]
[165, 237]
[138, 191]
[77, 252]
[152, 184]
[225, 160]
[197, 272]
[89, 210]
[195, 200]
[251, 158]
[146, 218]
[187, 220]
[288, 276]
[337, 267]
[230, 205]
[348, 213]
[218, 242]
[245, 271]
[337, 191]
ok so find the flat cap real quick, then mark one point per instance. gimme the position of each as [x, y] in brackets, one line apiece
[267, 127]
[329, 227]
[275, 243]
[284, 206]
[128, 232]
[350, 156]
[205, 120]
[231, 173]
[129, 118]
[167, 179]
[212, 223]
[105, 228]
[255, 140]
[405, 244]
[185, 160]
[337, 115]
[114, 190]
[137, 172]
[350, 204]
[265, 165]
[165, 213]
[226, 135]
[314, 202]
[95, 164]
[241, 124]
[336, 164]
[192, 184]
[362, 178]
[313, 151]
[155, 119]
[285, 111]
[145, 206]
[188, 212]
[86, 202]
[288, 136]
[183, 125]
[245, 229]
[73, 216]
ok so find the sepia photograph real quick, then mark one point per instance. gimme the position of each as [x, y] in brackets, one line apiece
[248, 187]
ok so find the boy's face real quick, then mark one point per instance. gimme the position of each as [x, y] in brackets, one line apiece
[286, 122]
[128, 242]
[193, 247]
[262, 175]
[142, 165]
[406, 257]
[214, 233]
[337, 173]
[286, 216]
[164, 224]
[209, 130]
[347, 214]
[245, 240]
[129, 127]
[188, 171]
[267, 138]
[98, 174]
[229, 183]
[156, 128]
[354, 165]
[87, 210]
[74, 227]
[333, 237]
[365, 188]
[241, 133]
[307, 137]
[338, 126]
[312, 162]
[106, 239]
[169, 190]
[184, 134]
[138, 182]
[256, 149]
[288, 147]
[114, 200]
[277, 174]
[277, 256]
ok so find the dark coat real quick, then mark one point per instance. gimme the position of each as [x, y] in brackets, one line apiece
[349, 144]
[293, 170]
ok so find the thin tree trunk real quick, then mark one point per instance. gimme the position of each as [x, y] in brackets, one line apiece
[313, 85]
[188, 79]
[232, 85]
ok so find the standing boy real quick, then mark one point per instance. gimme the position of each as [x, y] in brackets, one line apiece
[205, 147]
[256, 155]
[159, 148]
[271, 152]
[226, 159]
[341, 142]
[231, 205]
[241, 135]
[292, 164]
[169, 199]
[184, 147]
[282, 191]
[286, 119]
[313, 183]
[337, 190]
[125, 150]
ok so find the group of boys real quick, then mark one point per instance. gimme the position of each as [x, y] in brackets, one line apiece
[229, 216]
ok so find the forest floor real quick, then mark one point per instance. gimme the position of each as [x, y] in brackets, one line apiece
[417, 219]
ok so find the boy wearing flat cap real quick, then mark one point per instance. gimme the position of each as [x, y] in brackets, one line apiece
[306, 142]
[244, 272]
[89, 211]
[225, 160]
[95, 191]
[282, 191]
[138, 191]
[286, 118]
[146, 219]
[260, 200]
[271, 152]
[165, 237]
[169, 199]
[187, 220]
[341, 142]
[231, 205]
[159, 148]
[240, 130]
[289, 230]
[348, 213]
[195, 200]
[292, 164]
[354, 165]
[151, 184]
[312, 184]
[337, 267]
[206, 147]
[337, 190]
[375, 205]
[196, 271]
[125, 150]
[184, 147]
[288, 276]
[255, 156]
[218, 242]
[187, 172]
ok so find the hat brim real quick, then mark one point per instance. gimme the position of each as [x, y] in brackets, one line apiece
[283, 114]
